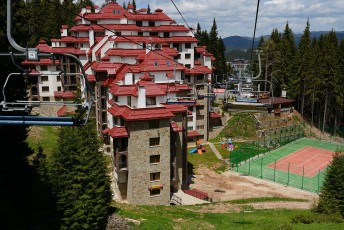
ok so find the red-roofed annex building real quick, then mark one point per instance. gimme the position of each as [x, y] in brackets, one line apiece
[138, 63]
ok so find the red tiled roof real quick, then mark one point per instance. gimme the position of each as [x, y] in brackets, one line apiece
[275, 100]
[118, 132]
[203, 50]
[41, 62]
[110, 11]
[125, 52]
[91, 78]
[193, 133]
[199, 70]
[140, 114]
[124, 90]
[62, 111]
[66, 94]
[181, 39]
[158, 61]
[215, 115]
[156, 16]
[106, 66]
[105, 131]
[175, 127]
[152, 89]
[69, 39]
[43, 47]
[138, 39]
[175, 108]
[166, 28]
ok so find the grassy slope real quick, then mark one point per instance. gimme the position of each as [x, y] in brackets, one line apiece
[46, 136]
[186, 217]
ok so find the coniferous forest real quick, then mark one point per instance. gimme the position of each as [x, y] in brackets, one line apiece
[312, 72]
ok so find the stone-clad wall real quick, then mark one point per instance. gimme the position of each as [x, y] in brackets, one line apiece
[139, 165]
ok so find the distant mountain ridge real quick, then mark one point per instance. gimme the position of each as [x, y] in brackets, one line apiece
[240, 42]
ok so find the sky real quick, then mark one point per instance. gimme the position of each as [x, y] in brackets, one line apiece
[237, 17]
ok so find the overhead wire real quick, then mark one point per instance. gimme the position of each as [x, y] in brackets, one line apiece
[254, 31]
[190, 28]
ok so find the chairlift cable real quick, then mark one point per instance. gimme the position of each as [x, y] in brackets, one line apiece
[182, 16]
[254, 31]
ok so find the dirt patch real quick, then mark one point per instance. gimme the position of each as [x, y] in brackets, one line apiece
[233, 186]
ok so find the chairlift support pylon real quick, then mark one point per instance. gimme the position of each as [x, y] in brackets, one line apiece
[33, 54]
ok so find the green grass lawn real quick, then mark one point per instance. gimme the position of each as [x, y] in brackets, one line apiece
[45, 136]
[190, 217]
[207, 158]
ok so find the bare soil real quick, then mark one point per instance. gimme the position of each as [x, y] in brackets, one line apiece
[232, 186]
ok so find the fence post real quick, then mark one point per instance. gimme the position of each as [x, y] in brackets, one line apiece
[237, 167]
[288, 173]
[275, 172]
[261, 168]
[303, 176]
[249, 166]
[318, 190]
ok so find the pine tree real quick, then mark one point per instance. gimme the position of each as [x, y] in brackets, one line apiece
[79, 176]
[134, 5]
[284, 63]
[331, 198]
[304, 68]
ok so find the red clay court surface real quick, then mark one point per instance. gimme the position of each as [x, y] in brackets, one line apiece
[313, 159]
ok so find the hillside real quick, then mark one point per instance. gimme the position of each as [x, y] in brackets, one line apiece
[240, 42]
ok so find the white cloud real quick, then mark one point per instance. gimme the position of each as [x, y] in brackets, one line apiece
[237, 17]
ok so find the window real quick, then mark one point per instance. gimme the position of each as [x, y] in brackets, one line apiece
[46, 98]
[44, 78]
[155, 192]
[59, 88]
[200, 117]
[200, 127]
[44, 67]
[155, 176]
[200, 77]
[151, 23]
[168, 63]
[156, 63]
[190, 128]
[139, 23]
[187, 56]
[188, 66]
[150, 101]
[154, 159]
[187, 45]
[166, 34]
[153, 34]
[129, 101]
[118, 33]
[58, 79]
[154, 141]
[45, 89]
[153, 124]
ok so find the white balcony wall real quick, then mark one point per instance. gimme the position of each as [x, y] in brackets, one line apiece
[128, 79]
[142, 98]
[109, 21]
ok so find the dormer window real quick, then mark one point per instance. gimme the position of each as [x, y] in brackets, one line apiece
[168, 63]
[116, 11]
[156, 63]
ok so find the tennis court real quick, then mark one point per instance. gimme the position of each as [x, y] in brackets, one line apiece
[301, 164]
